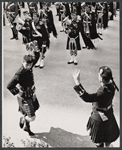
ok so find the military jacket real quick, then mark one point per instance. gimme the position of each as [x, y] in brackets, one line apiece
[24, 78]
[101, 99]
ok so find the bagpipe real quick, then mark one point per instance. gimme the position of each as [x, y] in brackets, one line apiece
[70, 25]
[32, 46]
[13, 18]
[66, 23]
[20, 22]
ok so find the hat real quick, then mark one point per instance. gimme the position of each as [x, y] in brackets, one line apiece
[106, 73]
[28, 59]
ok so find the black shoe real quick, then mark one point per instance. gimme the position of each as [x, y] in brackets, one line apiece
[31, 133]
[21, 122]
[36, 66]
[27, 129]
[16, 38]
[75, 63]
[84, 47]
[95, 48]
[100, 37]
[61, 30]
[100, 145]
[41, 67]
[70, 62]
[12, 38]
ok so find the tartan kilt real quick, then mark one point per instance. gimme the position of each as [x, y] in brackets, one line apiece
[28, 106]
[103, 131]
[78, 45]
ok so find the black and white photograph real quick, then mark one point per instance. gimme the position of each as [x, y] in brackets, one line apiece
[60, 74]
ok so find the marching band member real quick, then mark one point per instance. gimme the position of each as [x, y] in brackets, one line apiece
[93, 30]
[65, 12]
[62, 15]
[99, 17]
[87, 20]
[41, 35]
[105, 15]
[73, 41]
[57, 5]
[102, 123]
[111, 9]
[47, 15]
[67, 9]
[11, 13]
[84, 28]
[23, 84]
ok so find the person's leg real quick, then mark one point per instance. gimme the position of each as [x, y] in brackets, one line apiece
[107, 144]
[101, 26]
[38, 62]
[62, 30]
[25, 124]
[27, 109]
[71, 57]
[42, 56]
[75, 57]
[15, 32]
[13, 37]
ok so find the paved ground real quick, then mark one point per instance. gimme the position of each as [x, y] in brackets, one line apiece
[61, 108]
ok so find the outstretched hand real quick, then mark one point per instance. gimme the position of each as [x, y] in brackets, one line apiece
[76, 76]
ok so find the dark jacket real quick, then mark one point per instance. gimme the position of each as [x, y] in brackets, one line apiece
[101, 99]
[22, 77]
[50, 21]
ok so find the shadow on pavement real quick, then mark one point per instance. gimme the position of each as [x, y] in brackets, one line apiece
[60, 138]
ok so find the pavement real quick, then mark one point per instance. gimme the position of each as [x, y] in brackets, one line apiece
[62, 117]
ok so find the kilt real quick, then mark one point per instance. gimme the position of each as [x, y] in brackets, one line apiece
[77, 41]
[28, 106]
[103, 131]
